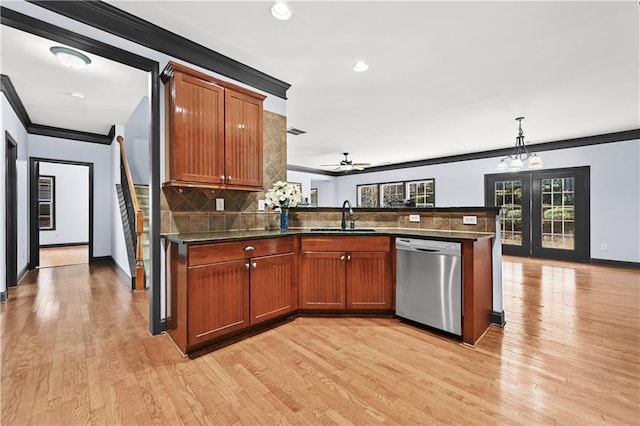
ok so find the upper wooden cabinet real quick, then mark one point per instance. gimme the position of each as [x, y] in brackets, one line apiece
[214, 131]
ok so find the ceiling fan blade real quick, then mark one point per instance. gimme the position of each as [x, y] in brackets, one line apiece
[329, 165]
[361, 164]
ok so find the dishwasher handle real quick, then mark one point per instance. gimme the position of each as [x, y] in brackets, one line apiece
[426, 250]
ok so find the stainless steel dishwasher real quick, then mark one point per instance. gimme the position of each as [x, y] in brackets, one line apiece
[429, 283]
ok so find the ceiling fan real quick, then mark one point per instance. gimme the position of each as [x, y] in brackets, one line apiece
[347, 165]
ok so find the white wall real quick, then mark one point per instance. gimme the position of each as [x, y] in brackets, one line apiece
[615, 198]
[10, 123]
[136, 142]
[71, 200]
[100, 155]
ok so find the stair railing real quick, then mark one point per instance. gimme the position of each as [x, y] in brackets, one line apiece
[139, 217]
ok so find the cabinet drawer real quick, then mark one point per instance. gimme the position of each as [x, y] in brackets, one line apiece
[222, 252]
[346, 243]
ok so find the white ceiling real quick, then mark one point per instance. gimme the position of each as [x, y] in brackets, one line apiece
[111, 90]
[445, 77]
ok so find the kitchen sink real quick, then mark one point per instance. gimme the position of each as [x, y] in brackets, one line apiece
[348, 230]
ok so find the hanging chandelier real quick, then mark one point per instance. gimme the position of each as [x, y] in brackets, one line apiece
[515, 161]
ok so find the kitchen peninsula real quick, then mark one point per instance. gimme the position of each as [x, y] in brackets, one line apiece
[224, 285]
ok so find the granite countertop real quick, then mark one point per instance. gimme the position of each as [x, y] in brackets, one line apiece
[220, 236]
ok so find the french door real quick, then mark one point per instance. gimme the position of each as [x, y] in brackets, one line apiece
[545, 213]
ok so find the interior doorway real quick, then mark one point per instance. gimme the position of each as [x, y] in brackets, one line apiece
[91, 45]
[545, 213]
[11, 214]
[61, 212]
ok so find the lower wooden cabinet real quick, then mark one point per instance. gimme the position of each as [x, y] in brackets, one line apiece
[357, 277]
[369, 283]
[271, 280]
[322, 280]
[220, 289]
[218, 300]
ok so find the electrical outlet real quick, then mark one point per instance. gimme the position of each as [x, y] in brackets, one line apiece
[470, 220]
[261, 205]
[604, 247]
[220, 204]
[414, 218]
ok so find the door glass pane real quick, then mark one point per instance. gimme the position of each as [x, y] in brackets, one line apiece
[558, 213]
[508, 195]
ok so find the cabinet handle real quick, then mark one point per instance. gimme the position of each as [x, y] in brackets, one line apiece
[342, 257]
[348, 257]
[222, 178]
[228, 179]
[249, 248]
[246, 265]
[254, 264]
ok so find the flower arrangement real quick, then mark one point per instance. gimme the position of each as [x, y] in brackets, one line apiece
[283, 195]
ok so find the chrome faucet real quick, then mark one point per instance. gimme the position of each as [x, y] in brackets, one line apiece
[344, 217]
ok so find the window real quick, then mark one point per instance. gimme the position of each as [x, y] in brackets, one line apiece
[46, 202]
[421, 193]
[392, 194]
[368, 195]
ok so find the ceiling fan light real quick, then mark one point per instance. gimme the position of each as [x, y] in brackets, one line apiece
[280, 10]
[535, 162]
[69, 57]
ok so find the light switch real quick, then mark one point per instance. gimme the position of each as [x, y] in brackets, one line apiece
[220, 204]
[470, 220]
[414, 218]
[261, 205]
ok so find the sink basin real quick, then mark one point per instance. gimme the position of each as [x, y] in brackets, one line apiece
[348, 230]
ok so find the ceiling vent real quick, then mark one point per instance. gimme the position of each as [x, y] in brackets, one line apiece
[295, 132]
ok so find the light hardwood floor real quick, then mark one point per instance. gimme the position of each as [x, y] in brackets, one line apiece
[63, 256]
[75, 350]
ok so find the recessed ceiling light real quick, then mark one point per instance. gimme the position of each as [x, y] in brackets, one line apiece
[69, 57]
[280, 10]
[77, 95]
[360, 66]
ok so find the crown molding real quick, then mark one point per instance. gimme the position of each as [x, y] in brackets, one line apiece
[108, 18]
[9, 90]
[75, 135]
[625, 135]
[38, 129]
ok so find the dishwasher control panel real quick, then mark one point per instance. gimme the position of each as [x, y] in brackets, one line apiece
[433, 246]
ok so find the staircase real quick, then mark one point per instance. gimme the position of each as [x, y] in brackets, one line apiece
[142, 191]
[128, 226]
[133, 220]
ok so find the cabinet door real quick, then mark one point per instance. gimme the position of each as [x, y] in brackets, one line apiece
[369, 284]
[271, 281]
[243, 139]
[218, 300]
[197, 143]
[322, 280]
